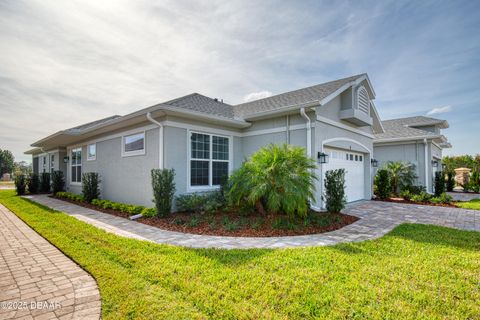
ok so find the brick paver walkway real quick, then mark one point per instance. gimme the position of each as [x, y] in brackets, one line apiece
[37, 281]
[377, 218]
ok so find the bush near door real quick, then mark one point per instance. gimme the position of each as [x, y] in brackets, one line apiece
[90, 182]
[58, 182]
[33, 183]
[439, 183]
[335, 198]
[20, 184]
[163, 185]
[45, 182]
[382, 184]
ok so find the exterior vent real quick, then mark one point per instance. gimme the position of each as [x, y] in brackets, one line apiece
[363, 101]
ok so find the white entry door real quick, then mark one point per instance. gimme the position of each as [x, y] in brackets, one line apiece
[354, 165]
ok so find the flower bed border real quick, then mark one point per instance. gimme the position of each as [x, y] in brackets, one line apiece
[165, 224]
[431, 204]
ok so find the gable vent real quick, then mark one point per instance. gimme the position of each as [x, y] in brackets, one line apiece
[363, 101]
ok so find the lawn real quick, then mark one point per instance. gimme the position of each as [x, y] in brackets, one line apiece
[415, 271]
[472, 204]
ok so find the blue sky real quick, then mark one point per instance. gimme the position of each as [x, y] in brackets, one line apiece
[66, 63]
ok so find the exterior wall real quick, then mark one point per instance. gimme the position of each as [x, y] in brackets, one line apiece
[413, 152]
[123, 178]
[176, 157]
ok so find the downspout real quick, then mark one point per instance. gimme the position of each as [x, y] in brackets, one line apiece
[287, 129]
[160, 138]
[426, 165]
[309, 131]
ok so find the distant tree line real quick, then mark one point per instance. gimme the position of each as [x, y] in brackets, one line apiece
[7, 162]
[463, 161]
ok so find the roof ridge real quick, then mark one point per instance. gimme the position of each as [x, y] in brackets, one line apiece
[299, 89]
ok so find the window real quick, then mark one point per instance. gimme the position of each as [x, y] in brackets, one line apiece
[52, 163]
[356, 157]
[361, 158]
[351, 157]
[134, 144]
[76, 166]
[209, 159]
[92, 152]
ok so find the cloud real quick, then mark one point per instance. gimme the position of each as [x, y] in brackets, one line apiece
[257, 95]
[439, 110]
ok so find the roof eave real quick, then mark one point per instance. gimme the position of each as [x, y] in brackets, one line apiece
[282, 111]
[399, 139]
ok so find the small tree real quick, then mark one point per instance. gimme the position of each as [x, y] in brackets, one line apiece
[382, 184]
[58, 182]
[450, 181]
[20, 184]
[163, 185]
[439, 183]
[402, 174]
[90, 182]
[276, 179]
[45, 182]
[335, 198]
[475, 181]
[33, 183]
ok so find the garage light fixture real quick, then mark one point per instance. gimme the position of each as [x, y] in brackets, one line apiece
[322, 157]
[65, 159]
[374, 163]
[435, 164]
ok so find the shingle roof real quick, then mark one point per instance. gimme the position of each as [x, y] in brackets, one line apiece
[297, 97]
[200, 103]
[88, 125]
[407, 127]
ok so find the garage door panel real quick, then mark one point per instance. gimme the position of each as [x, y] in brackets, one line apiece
[353, 163]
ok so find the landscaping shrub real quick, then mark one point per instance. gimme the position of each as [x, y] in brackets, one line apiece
[277, 179]
[439, 183]
[335, 198]
[475, 181]
[45, 182]
[406, 194]
[90, 189]
[163, 185]
[401, 174]
[70, 196]
[414, 189]
[382, 184]
[442, 198]
[450, 181]
[33, 183]
[199, 203]
[58, 182]
[422, 197]
[20, 184]
[149, 212]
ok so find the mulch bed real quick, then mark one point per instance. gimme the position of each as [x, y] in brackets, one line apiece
[401, 200]
[253, 225]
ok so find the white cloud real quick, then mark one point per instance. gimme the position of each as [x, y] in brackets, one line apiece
[257, 95]
[439, 110]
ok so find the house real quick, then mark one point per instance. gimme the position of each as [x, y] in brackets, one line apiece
[417, 140]
[204, 139]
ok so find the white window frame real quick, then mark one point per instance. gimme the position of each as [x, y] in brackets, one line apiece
[208, 187]
[136, 152]
[89, 158]
[75, 183]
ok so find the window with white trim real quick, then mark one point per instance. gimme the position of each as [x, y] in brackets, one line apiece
[92, 151]
[134, 144]
[76, 166]
[52, 163]
[209, 159]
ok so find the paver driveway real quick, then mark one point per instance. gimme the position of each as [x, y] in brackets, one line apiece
[377, 218]
[37, 281]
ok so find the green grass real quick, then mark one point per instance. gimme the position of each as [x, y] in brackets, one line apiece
[415, 271]
[472, 204]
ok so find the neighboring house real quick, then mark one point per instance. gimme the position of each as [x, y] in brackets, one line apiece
[414, 139]
[204, 139]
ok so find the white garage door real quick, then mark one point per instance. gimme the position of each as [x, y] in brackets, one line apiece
[353, 163]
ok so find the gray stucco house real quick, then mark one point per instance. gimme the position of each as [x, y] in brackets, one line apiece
[204, 139]
[417, 140]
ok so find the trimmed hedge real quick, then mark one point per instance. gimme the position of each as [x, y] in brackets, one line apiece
[90, 190]
[335, 197]
[20, 184]
[45, 182]
[33, 183]
[58, 182]
[163, 186]
[70, 196]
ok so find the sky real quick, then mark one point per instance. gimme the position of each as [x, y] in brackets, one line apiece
[64, 63]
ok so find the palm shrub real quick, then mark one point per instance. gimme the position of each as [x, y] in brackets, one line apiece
[450, 180]
[58, 182]
[33, 183]
[20, 184]
[45, 182]
[277, 179]
[401, 174]
[90, 186]
[439, 183]
[163, 185]
[335, 198]
[382, 184]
